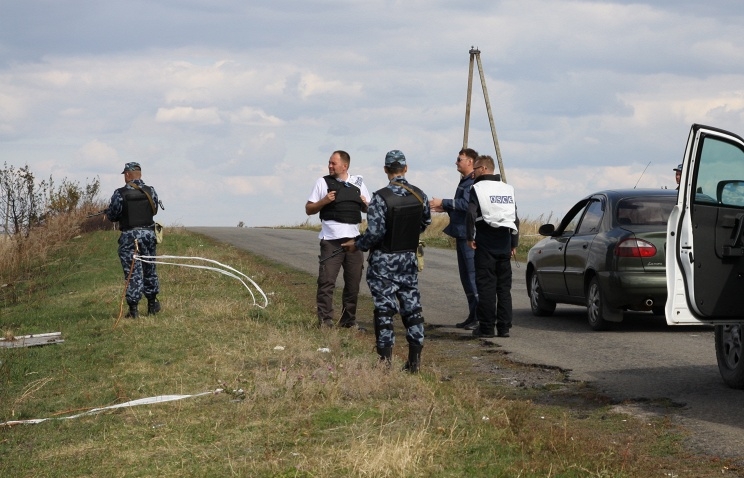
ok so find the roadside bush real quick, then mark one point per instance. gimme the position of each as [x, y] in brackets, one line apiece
[36, 217]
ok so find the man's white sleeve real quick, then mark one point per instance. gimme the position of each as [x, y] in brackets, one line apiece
[319, 191]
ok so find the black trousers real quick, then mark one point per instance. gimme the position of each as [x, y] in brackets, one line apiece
[493, 278]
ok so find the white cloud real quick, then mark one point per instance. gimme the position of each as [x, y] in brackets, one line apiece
[188, 114]
[255, 117]
[244, 101]
[97, 154]
[313, 84]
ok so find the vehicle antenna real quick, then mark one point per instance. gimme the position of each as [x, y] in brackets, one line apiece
[644, 170]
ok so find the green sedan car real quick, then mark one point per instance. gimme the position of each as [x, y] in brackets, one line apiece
[607, 253]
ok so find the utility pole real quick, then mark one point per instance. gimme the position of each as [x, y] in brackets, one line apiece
[475, 57]
[467, 102]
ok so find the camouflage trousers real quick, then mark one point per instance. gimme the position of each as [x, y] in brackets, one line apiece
[393, 282]
[144, 278]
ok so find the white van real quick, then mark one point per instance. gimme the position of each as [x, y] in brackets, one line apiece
[705, 245]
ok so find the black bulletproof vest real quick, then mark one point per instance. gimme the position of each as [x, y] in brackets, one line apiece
[136, 209]
[347, 207]
[403, 221]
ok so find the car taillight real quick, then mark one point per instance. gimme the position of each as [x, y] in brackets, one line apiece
[632, 247]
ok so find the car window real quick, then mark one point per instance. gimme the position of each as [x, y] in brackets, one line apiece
[571, 226]
[644, 211]
[720, 177]
[572, 217]
[592, 218]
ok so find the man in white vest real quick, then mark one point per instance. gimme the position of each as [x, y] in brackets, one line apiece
[493, 231]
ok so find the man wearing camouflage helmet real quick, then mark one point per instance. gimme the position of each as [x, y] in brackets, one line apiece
[397, 214]
[133, 207]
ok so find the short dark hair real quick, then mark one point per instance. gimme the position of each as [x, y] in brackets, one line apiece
[470, 153]
[395, 168]
[486, 161]
[344, 156]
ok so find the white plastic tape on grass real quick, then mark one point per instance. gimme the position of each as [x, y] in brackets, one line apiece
[132, 403]
[237, 274]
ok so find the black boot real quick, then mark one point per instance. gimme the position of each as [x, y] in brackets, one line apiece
[153, 306]
[386, 355]
[469, 324]
[414, 358]
[132, 314]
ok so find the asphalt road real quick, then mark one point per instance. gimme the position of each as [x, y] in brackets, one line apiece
[641, 362]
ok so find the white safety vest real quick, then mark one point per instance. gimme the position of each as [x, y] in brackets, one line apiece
[497, 204]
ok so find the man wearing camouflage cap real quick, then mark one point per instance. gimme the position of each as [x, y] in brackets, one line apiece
[133, 207]
[397, 214]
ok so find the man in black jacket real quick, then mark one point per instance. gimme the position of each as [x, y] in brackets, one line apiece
[493, 231]
[457, 210]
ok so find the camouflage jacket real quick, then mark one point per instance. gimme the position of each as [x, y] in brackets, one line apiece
[116, 206]
[377, 213]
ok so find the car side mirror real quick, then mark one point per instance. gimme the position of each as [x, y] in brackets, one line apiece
[546, 230]
[730, 193]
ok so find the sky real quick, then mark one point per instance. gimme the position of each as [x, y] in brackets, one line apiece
[233, 107]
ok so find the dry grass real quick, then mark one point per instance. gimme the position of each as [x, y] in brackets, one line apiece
[18, 253]
[289, 408]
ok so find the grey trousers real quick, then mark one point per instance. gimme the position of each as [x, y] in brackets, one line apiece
[353, 264]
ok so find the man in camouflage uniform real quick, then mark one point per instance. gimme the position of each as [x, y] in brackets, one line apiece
[397, 214]
[133, 207]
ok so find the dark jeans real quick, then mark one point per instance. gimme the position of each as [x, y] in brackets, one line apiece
[353, 263]
[493, 276]
[466, 265]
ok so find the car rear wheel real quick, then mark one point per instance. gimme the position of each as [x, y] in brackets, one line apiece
[730, 354]
[541, 307]
[595, 307]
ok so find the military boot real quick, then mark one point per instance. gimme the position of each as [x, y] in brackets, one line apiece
[153, 305]
[414, 358]
[132, 314]
[386, 355]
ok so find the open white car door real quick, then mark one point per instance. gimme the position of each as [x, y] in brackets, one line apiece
[705, 245]
[705, 234]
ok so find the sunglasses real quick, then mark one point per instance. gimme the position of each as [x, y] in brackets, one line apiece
[459, 159]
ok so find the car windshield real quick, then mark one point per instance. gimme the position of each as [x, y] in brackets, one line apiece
[645, 211]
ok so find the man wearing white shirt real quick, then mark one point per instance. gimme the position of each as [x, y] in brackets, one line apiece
[340, 198]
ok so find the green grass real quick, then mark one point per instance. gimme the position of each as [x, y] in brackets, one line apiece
[291, 412]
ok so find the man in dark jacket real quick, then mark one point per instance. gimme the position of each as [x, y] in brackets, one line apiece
[493, 232]
[457, 209]
[133, 207]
